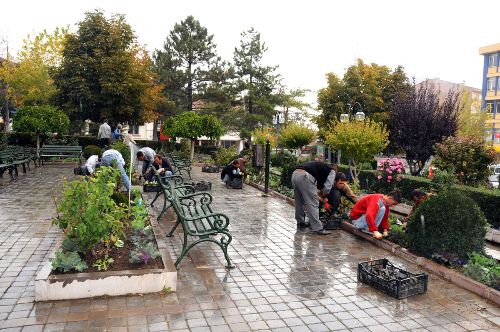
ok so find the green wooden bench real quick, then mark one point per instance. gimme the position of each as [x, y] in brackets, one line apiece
[180, 165]
[61, 151]
[178, 183]
[14, 156]
[194, 213]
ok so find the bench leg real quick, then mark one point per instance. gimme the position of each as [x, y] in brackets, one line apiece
[24, 167]
[173, 229]
[184, 251]
[224, 244]
[158, 194]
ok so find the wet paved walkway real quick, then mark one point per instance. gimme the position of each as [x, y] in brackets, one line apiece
[284, 280]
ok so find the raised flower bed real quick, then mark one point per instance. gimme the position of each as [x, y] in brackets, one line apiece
[109, 248]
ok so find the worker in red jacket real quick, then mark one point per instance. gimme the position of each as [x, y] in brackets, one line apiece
[371, 213]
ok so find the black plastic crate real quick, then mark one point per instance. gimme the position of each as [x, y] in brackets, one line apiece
[200, 186]
[383, 275]
[151, 188]
[210, 169]
[235, 183]
[329, 221]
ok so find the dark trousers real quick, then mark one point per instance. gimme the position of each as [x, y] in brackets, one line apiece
[334, 199]
[103, 142]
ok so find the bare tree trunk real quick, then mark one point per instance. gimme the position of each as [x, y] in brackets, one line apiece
[192, 148]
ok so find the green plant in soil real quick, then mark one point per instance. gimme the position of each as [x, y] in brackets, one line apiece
[67, 261]
[144, 253]
[102, 264]
[88, 215]
[483, 269]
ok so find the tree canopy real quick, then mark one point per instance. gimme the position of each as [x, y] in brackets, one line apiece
[418, 121]
[373, 86]
[103, 73]
[28, 74]
[359, 141]
[295, 136]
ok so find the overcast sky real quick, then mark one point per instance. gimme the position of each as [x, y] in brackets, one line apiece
[307, 39]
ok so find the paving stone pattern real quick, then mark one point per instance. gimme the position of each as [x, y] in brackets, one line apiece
[284, 280]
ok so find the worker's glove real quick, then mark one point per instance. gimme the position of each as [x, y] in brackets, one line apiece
[386, 233]
[377, 235]
[327, 206]
[159, 171]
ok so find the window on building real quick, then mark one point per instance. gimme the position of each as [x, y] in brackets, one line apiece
[491, 84]
[489, 108]
[133, 129]
[492, 60]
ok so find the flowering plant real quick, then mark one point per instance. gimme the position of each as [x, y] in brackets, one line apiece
[390, 170]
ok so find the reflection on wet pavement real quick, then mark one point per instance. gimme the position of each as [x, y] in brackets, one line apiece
[284, 280]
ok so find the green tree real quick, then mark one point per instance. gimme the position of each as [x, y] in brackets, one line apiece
[191, 125]
[188, 62]
[373, 86]
[295, 136]
[43, 119]
[255, 83]
[101, 75]
[467, 157]
[359, 141]
[28, 74]
[471, 119]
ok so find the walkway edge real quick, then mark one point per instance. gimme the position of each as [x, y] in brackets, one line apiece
[427, 264]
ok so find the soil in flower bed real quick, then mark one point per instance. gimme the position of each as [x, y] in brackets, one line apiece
[120, 258]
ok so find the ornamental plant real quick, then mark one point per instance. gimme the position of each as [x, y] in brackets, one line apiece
[88, 215]
[260, 136]
[389, 172]
[295, 136]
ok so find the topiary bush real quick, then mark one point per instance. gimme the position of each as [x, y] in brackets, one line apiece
[91, 150]
[453, 225]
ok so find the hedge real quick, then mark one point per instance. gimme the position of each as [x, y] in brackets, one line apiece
[487, 199]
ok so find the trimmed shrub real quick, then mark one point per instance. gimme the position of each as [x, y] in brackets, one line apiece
[453, 225]
[91, 150]
[224, 156]
[83, 141]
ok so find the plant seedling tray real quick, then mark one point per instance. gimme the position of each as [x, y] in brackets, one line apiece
[383, 275]
[235, 183]
[210, 169]
[150, 188]
[201, 186]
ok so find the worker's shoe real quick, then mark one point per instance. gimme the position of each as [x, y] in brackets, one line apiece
[322, 232]
[302, 225]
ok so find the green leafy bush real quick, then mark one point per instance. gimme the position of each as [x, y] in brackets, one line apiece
[67, 261]
[91, 150]
[102, 264]
[224, 156]
[295, 136]
[443, 180]
[87, 212]
[483, 269]
[124, 150]
[467, 157]
[452, 224]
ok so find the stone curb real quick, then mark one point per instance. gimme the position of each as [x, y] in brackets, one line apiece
[427, 264]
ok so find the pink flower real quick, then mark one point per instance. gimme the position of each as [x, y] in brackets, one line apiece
[379, 177]
[388, 170]
[389, 177]
[399, 170]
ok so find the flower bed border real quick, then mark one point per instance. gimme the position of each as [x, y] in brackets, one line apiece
[110, 283]
[427, 264]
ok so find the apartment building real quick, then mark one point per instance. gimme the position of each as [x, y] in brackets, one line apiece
[491, 92]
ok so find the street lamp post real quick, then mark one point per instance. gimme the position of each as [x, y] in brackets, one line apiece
[346, 117]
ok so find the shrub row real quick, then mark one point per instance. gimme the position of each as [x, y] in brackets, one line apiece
[487, 199]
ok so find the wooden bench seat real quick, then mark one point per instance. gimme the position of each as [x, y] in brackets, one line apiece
[195, 215]
[61, 151]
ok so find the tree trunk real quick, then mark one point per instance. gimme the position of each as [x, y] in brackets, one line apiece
[192, 148]
[190, 90]
[38, 145]
[155, 130]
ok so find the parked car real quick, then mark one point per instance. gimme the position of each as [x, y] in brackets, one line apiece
[493, 179]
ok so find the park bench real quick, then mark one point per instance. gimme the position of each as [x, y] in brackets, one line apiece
[178, 183]
[194, 213]
[14, 156]
[61, 151]
[180, 165]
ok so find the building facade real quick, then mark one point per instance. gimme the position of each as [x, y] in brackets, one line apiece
[491, 92]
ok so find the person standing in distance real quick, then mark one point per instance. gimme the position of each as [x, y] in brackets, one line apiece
[104, 135]
[312, 182]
